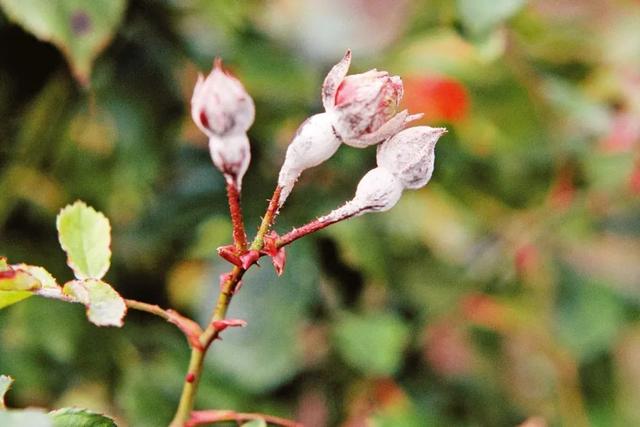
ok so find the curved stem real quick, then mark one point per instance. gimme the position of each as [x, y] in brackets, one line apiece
[148, 308]
[210, 333]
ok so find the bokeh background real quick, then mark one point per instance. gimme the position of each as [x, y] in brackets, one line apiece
[506, 290]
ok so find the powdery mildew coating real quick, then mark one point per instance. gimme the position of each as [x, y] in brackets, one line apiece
[220, 105]
[378, 191]
[231, 154]
[409, 155]
[363, 106]
[314, 142]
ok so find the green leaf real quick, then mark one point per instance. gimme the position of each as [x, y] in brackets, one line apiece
[105, 306]
[25, 418]
[5, 384]
[372, 343]
[80, 29]
[76, 417]
[480, 16]
[255, 423]
[85, 236]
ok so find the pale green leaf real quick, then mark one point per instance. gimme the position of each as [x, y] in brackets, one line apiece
[480, 16]
[105, 307]
[373, 343]
[76, 417]
[39, 273]
[25, 418]
[255, 423]
[5, 384]
[85, 235]
[80, 29]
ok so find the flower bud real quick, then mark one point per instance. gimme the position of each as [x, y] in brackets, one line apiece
[409, 155]
[220, 105]
[314, 142]
[378, 191]
[363, 106]
[231, 155]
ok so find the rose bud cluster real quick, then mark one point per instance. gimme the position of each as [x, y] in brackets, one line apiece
[360, 110]
[224, 111]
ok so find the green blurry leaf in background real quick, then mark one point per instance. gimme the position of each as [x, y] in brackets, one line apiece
[85, 235]
[480, 16]
[80, 29]
[372, 343]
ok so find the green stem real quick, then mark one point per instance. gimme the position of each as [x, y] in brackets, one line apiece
[189, 389]
[210, 333]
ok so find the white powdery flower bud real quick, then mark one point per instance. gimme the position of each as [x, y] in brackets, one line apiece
[220, 105]
[409, 155]
[231, 155]
[378, 191]
[363, 106]
[314, 142]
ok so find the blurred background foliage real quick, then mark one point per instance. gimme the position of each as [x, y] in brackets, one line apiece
[506, 290]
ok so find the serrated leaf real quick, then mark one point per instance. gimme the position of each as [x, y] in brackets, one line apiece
[76, 417]
[25, 418]
[5, 384]
[105, 306]
[372, 343]
[85, 235]
[80, 29]
[255, 423]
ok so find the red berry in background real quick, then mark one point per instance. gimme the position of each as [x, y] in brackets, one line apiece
[634, 179]
[440, 98]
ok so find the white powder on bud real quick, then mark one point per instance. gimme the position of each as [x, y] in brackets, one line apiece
[410, 154]
[378, 191]
[314, 142]
[231, 154]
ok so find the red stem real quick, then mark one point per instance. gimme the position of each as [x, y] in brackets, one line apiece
[310, 227]
[216, 416]
[239, 235]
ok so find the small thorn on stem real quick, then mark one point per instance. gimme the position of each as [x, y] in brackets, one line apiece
[191, 377]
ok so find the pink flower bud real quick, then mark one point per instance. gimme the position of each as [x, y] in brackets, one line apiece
[363, 106]
[409, 155]
[220, 105]
[314, 142]
[231, 154]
